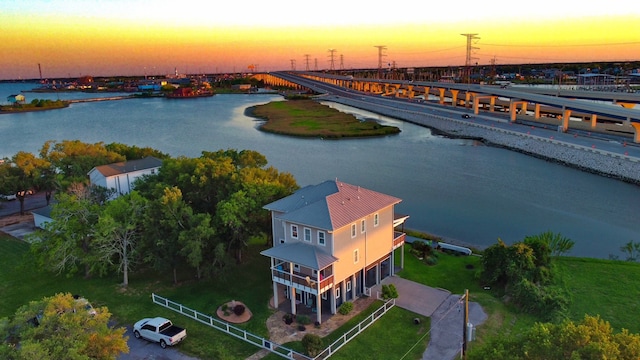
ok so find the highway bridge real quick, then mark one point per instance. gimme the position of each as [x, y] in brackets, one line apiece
[605, 112]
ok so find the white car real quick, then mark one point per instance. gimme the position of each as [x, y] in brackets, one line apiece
[8, 197]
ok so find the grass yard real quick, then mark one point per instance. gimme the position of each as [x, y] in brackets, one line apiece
[308, 118]
[391, 337]
[603, 287]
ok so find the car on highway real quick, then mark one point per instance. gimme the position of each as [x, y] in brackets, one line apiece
[466, 116]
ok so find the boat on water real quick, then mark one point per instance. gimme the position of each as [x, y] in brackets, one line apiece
[189, 93]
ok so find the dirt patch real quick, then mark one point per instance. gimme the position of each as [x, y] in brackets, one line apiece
[229, 316]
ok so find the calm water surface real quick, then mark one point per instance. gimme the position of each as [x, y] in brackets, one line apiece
[457, 189]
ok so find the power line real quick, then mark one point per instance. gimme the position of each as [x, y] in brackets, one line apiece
[561, 46]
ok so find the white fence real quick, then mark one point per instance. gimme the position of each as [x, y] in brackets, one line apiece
[265, 343]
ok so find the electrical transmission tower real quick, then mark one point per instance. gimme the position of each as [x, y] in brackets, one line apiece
[341, 62]
[293, 64]
[381, 49]
[315, 64]
[470, 48]
[306, 62]
[332, 53]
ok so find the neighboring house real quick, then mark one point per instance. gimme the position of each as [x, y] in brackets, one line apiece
[41, 216]
[16, 99]
[332, 242]
[120, 176]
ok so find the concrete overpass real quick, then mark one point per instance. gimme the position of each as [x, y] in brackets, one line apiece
[513, 100]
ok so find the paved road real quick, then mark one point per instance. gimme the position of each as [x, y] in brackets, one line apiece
[31, 202]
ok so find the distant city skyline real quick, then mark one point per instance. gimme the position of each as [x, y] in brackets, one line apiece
[73, 38]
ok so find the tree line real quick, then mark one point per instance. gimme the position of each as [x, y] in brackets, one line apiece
[195, 213]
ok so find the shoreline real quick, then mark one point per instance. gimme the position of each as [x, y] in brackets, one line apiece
[588, 161]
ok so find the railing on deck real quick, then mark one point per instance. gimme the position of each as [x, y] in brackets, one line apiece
[301, 280]
[399, 239]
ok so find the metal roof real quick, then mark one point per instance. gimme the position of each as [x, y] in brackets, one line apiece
[330, 205]
[306, 255]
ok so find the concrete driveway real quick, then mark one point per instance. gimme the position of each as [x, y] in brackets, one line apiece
[446, 311]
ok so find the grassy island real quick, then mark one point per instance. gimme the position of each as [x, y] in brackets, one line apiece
[35, 105]
[307, 118]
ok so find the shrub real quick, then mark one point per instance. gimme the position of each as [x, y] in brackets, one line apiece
[225, 307]
[303, 320]
[301, 328]
[431, 260]
[312, 344]
[345, 308]
[288, 319]
[239, 309]
[389, 292]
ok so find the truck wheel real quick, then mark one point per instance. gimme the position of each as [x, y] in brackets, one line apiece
[163, 344]
[136, 334]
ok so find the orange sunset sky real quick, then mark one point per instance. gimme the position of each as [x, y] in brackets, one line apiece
[136, 37]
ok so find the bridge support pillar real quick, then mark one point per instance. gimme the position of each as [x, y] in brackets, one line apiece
[441, 90]
[467, 99]
[636, 135]
[513, 108]
[594, 120]
[536, 112]
[566, 114]
[454, 97]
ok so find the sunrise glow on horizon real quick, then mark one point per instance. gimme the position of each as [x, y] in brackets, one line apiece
[136, 37]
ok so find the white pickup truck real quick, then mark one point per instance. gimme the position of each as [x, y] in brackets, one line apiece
[159, 330]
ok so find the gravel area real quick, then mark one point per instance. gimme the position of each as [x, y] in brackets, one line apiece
[580, 157]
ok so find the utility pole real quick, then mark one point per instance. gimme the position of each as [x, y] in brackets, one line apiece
[381, 49]
[470, 48]
[466, 321]
[331, 59]
[306, 62]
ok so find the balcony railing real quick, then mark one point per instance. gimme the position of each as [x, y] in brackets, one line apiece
[398, 240]
[301, 280]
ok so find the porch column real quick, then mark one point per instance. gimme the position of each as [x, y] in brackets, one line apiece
[391, 261]
[292, 294]
[354, 287]
[275, 295]
[402, 257]
[332, 300]
[318, 300]
[292, 301]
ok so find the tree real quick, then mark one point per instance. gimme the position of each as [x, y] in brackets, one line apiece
[57, 328]
[591, 338]
[558, 244]
[66, 242]
[632, 249]
[117, 232]
[74, 159]
[22, 174]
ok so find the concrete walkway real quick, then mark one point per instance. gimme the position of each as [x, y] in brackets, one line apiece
[446, 311]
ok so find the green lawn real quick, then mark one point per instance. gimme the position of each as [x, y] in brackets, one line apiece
[598, 287]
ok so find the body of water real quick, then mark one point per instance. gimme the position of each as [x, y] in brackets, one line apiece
[457, 189]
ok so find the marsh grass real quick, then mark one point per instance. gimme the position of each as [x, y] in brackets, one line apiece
[308, 118]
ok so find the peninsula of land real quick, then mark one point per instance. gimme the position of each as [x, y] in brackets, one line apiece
[308, 118]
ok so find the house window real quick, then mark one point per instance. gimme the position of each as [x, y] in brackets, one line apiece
[353, 230]
[376, 219]
[294, 231]
[324, 295]
[296, 267]
[281, 241]
[349, 285]
[356, 256]
[363, 226]
[307, 234]
[315, 273]
[337, 293]
[321, 240]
